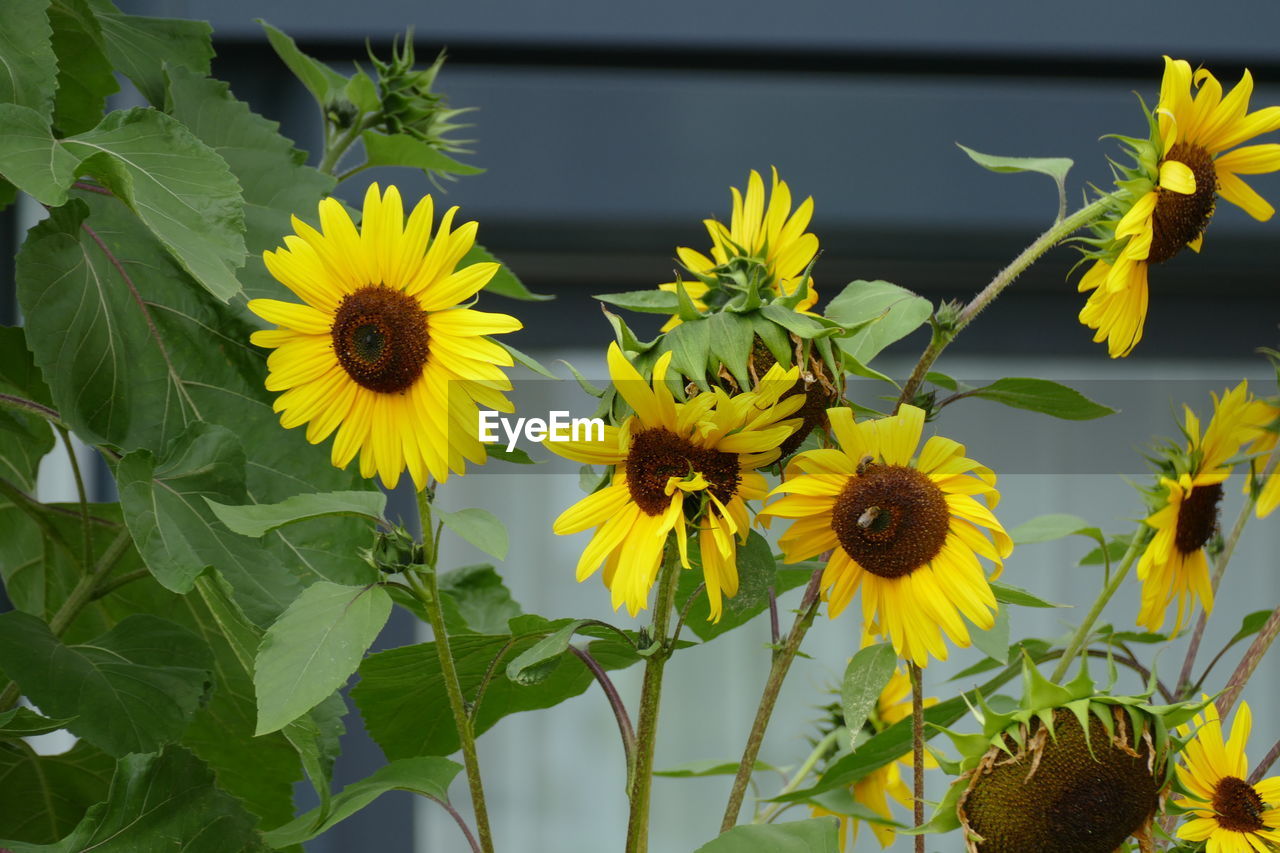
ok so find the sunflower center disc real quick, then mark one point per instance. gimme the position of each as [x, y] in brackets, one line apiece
[659, 454]
[1238, 806]
[380, 338]
[1197, 518]
[891, 519]
[1180, 218]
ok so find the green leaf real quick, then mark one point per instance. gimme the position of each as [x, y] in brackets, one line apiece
[896, 312]
[143, 48]
[156, 802]
[816, 835]
[166, 504]
[361, 91]
[85, 76]
[1054, 167]
[256, 520]
[710, 767]
[690, 346]
[45, 796]
[1116, 549]
[32, 159]
[24, 438]
[644, 301]
[1251, 625]
[504, 281]
[401, 149]
[313, 648]
[757, 572]
[23, 722]
[177, 185]
[319, 79]
[484, 604]
[26, 55]
[515, 456]
[1042, 395]
[731, 340]
[429, 777]
[799, 324]
[525, 360]
[864, 678]
[1047, 528]
[480, 527]
[994, 642]
[1013, 595]
[133, 689]
[535, 663]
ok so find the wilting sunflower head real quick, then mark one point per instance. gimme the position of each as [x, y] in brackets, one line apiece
[380, 349]
[1223, 808]
[677, 466]
[1165, 200]
[816, 385]
[1071, 770]
[1185, 506]
[765, 251]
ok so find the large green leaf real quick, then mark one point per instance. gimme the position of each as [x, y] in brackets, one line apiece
[45, 796]
[896, 312]
[256, 520]
[28, 67]
[177, 185]
[24, 438]
[23, 722]
[133, 689]
[401, 149]
[273, 175]
[816, 835]
[866, 675]
[31, 158]
[428, 776]
[313, 648]
[757, 572]
[1042, 395]
[319, 79]
[480, 602]
[85, 77]
[479, 527]
[157, 804]
[143, 48]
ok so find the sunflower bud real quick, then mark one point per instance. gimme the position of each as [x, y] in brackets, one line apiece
[393, 551]
[408, 104]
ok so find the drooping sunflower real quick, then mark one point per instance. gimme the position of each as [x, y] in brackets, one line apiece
[1227, 812]
[770, 234]
[906, 530]
[676, 465]
[380, 349]
[1167, 199]
[1174, 565]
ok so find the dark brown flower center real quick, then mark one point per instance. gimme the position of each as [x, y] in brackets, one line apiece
[658, 454]
[820, 394]
[891, 519]
[1180, 218]
[1238, 806]
[1197, 518]
[380, 338]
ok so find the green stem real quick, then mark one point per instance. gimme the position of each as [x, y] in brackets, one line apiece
[30, 407]
[87, 538]
[772, 687]
[640, 779]
[336, 147]
[917, 748]
[1248, 663]
[1082, 633]
[823, 747]
[1056, 234]
[424, 586]
[36, 512]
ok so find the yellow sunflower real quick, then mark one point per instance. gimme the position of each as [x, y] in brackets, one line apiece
[676, 465]
[906, 530]
[1227, 812]
[1174, 565]
[379, 350]
[1169, 198]
[1269, 496]
[875, 789]
[770, 234]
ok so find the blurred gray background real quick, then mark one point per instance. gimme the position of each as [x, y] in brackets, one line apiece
[609, 130]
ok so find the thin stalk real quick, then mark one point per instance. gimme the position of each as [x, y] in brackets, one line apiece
[640, 781]
[462, 824]
[1081, 635]
[115, 583]
[1264, 765]
[31, 407]
[1248, 663]
[425, 587]
[1220, 568]
[625, 730]
[772, 687]
[337, 147]
[87, 532]
[917, 748]
[1056, 234]
[819, 750]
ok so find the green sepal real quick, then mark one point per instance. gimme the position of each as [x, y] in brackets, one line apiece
[685, 308]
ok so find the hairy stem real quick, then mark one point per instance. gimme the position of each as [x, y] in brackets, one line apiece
[1081, 635]
[917, 749]
[87, 533]
[1249, 663]
[1056, 234]
[772, 687]
[1260, 770]
[31, 407]
[640, 781]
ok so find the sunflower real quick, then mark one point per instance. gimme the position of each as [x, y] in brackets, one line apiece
[1226, 811]
[874, 790]
[675, 466]
[1166, 201]
[1269, 493]
[769, 234]
[1174, 565]
[906, 531]
[379, 350]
